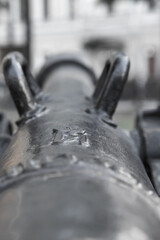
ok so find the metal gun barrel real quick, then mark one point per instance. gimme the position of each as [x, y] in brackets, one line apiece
[70, 172]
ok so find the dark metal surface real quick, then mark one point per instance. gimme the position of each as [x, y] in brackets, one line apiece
[111, 83]
[21, 84]
[67, 174]
[17, 85]
[5, 133]
[63, 60]
[148, 124]
[78, 202]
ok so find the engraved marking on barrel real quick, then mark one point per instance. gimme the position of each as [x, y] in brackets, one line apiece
[70, 136]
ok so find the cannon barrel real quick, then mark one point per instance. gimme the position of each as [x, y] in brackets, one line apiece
[70, 172]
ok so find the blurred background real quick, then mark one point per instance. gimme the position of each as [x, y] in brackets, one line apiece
[92, 28]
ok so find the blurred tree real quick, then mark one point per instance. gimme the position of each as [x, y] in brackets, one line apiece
[110, 3]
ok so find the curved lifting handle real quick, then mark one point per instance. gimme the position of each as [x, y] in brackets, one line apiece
[111, 83]
[20, 83]
[102, 79]
[35, 89]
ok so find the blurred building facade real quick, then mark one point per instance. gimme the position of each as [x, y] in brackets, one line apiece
[59, 26]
